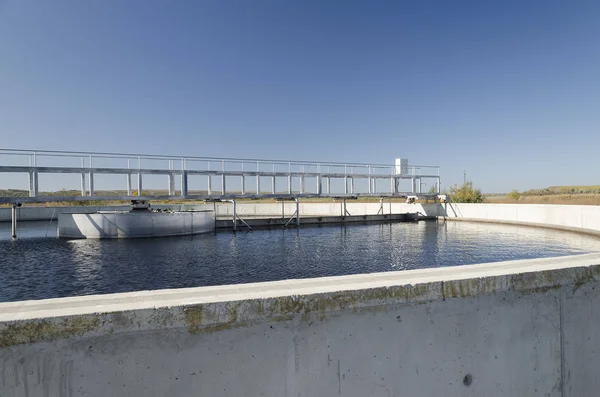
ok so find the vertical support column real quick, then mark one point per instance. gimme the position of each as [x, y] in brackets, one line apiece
[184, 184]
[352, 185]
[83, 189]
[91, 176]
[289, 184]
[33, 183]
[257, 184]
[223, 187]
[392, 185]
[171, 184]
[14, 220]
[302, 184]
[297, 212]
[273, 184]
[234, 215]
[345, 211]
[139, 176]
[209, 180]
[283, 211]
[346, 185]
[369, 185]
[243, 184]
[128, 178]
[319, 185]
[328, 185]
[413, 185]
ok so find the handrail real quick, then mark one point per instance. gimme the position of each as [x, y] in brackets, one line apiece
[107, 155]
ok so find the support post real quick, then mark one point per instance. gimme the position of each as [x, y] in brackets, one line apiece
[91, 175]
[328, 185]
[14, 220]
[257, 184]
[223, 188]
[129, 184]
[243, 184]
[171, 184]
[345, 185]
[297, 212]
[83, 189]
[413, 184]
[352, 185]
[33, 183]
[392, 185]
[370, 185]
[289, 184]
[319, 185]
[234, 215]
[139, 183]
[301, 184]
[209, 185]
[184, 184]
[128, 178]
[273, 184]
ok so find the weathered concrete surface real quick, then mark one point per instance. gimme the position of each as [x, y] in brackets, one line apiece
[581, 218]
[37, 213]
[516, 328]
[135, 224]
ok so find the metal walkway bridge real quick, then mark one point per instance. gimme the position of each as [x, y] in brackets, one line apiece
[205, 178]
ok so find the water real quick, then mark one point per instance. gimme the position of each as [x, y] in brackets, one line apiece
[38, 267]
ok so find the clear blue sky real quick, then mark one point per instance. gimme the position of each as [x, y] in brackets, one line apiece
[507, 90]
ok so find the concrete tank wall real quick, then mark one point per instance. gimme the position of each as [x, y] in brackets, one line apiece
[522, 328]
[584, 218]
[135, 224]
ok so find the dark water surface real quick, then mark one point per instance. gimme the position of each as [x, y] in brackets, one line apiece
[38, 267]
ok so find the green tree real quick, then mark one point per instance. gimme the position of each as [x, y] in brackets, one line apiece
[514, 195]
[465, 193]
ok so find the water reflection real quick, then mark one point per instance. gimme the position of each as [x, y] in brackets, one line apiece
[35, 267]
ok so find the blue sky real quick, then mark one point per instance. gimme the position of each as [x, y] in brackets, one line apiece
[508, 91]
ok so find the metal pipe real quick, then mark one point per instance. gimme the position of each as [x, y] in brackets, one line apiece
[234, 215]
[257, 184]
[14, 221]
[243, 184]
[273, 184]
[297, 212]
[223, 188]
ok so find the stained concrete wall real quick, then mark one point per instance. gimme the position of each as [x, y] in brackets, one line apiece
[584, 218]
[36, 213]
[522, 328]
[135, 224]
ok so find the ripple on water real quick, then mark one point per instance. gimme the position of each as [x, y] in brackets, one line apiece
[36, 267]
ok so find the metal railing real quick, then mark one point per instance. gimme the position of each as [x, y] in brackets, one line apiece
[89, 164]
